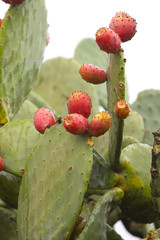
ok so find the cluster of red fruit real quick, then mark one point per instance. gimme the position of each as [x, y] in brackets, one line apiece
[79, 108]
[121, 29]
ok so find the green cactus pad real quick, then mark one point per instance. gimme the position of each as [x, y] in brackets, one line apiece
[134, 126]
[87, 51]
[96, 226]
[127, 140]
[135, 176]
[60, 77]
[7, 223]
[102, 176]
[18, 140]
[26, 111]
[9, 188]
[148, 105]
[53, 185]
[22, 42]
[40, 102]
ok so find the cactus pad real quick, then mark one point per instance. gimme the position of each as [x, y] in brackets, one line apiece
[9, 188]
[18, 140]
[7, 223]
[22, 42]
[134, 126]
[148, 105]
[53, 185]
[26, 111]
[102, 176]
[60, 77]
[137, 203]
[96, 226]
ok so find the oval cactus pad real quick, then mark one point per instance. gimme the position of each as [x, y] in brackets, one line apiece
[18, 139]
[22, 42]
[53, 185]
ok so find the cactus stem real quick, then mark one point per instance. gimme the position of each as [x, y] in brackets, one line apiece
[115, 92]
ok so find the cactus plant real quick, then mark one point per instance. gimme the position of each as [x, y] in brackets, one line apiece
[61, 185]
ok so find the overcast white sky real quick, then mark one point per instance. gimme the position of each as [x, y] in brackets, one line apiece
[73, 20]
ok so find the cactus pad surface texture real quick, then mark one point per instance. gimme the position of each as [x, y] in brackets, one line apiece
[53, 186]
[22, 42]
[18, 139]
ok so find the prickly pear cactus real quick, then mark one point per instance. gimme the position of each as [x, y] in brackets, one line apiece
[62, 186]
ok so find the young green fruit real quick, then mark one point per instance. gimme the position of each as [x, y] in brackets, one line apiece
[124, 26]
[76, 124]
[99, 124]
[79, 102]
[43, 119]
[92, 73]
[108, 40]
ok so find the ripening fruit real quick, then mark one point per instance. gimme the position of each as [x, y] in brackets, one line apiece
[99, 124]
[76, 124]
[92, 73]
[124, 26]
[2, 163]
[43, 119]
[108, 40]
[0, 22]
[79, 102]
[121, 109]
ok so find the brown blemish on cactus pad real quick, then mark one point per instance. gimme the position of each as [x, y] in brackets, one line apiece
[22, 171]
[70, 169]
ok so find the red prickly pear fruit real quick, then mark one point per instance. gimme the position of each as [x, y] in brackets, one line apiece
[47, 39]
[121, 109]
[99, 124]
[79, 102]
[76, 124]
[108, 40]
[43, 119]
[2, 163]
[124, 26]
[92, 73]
